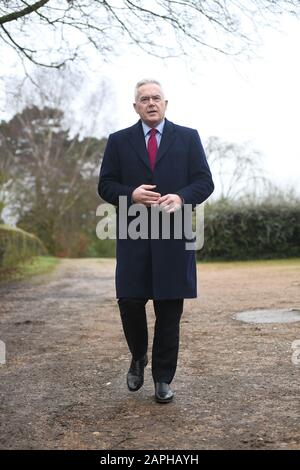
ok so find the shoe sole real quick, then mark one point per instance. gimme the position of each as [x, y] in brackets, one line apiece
[163, 400]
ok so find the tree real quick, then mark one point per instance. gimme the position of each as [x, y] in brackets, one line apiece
[50, 153]
[226, 26]
[54, 179]
[236, 168]
[3, 191]
[6, 181]
[86, 101]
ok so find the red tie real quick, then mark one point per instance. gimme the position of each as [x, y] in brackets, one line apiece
[152, 148]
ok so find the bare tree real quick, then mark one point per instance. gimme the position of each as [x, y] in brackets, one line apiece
[64, 29]
[237, 169]
[86, 102]
[5, 183]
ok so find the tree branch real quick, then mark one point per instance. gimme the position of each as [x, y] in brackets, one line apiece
[26, 52]
[26, 11]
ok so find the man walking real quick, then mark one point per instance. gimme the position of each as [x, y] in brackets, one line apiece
[154, 163]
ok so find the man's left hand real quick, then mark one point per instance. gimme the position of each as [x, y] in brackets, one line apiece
[170, 202]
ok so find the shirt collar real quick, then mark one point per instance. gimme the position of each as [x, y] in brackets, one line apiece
[159, 127]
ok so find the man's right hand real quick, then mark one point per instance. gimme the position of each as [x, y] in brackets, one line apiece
[144, 195]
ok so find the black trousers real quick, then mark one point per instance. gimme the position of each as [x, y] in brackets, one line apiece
[166, 333]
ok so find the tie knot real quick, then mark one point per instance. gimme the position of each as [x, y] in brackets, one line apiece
[153, 131]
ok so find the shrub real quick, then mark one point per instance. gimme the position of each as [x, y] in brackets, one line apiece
[261, 231]
[17, 246]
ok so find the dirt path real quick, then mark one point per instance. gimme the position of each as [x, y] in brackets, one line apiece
[63, 385]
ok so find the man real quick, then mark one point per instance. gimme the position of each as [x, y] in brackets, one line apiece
[155, 163]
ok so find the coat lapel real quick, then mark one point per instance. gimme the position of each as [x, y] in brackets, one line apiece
[167, 139]
[137, 139]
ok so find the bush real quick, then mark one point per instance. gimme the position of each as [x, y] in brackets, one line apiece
[261, 231]
[102, 248]
[17, 246]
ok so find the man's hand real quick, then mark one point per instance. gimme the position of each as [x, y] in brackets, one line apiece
[170, 202]
[144, 195]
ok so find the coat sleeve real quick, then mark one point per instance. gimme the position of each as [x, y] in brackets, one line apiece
[109, 186]
[200, 185]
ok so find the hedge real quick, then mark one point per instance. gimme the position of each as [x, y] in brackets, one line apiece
[262, 231]
[17, 246]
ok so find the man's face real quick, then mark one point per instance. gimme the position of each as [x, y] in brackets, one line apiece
[150, 104]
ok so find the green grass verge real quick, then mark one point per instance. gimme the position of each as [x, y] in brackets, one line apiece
[37, 265]
[239, 263]
[249, 263]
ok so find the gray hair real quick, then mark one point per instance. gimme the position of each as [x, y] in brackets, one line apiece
[146, 81]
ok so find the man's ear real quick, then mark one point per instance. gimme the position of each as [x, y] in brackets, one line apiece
[166, 101]
[134, 105]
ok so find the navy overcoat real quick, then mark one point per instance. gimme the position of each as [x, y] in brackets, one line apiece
[155, 268]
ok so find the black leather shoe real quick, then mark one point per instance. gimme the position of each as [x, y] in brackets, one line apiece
[163, 392]
[135, 375]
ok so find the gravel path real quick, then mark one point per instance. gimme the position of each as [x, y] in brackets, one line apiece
[63, 385]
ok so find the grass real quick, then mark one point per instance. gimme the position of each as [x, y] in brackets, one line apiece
[45, 264]
[293, 262]
[37, 265]
[223, 263]
[253, 263]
